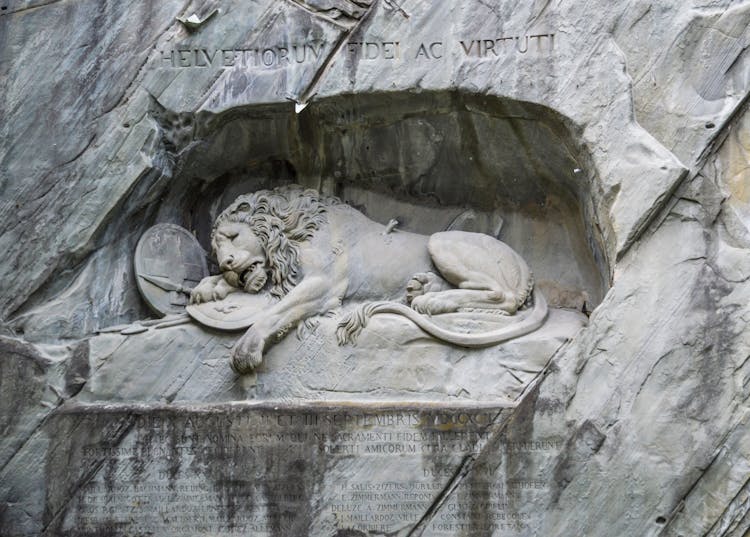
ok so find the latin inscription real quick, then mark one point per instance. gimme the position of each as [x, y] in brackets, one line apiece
[276, 56]
[496, 47]
[465, 48]
[374, 50]
[250, 472]
[285, 55]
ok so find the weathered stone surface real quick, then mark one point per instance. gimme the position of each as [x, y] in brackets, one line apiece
[614, 149]
[391, 361]
[263, 470]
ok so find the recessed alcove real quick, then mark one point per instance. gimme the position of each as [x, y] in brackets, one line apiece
[424, 159]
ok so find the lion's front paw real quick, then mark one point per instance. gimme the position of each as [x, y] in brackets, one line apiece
[202, 293]
[433, 304]
[222, 289]
[248, 352]
[211, 289]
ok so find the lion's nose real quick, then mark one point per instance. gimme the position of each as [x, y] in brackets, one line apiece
[227, 263]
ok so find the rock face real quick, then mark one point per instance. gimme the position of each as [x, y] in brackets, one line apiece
[606, 144]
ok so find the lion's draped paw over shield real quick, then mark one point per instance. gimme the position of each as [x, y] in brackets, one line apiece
[210, 289]
[314, 253]
[247, 353]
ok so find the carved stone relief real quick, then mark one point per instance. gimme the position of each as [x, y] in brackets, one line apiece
[297, 255]
[400, 373]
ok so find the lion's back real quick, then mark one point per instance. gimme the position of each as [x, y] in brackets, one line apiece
[379, 262]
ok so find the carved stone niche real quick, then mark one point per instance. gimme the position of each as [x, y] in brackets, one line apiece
[419, 163]
[401, 433]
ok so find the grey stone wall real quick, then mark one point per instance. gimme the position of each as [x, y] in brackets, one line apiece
[610, 137]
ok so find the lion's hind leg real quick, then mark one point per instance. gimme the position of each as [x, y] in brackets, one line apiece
[484, 270]
[457, 299]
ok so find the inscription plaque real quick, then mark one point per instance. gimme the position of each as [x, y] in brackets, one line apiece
[264, 470]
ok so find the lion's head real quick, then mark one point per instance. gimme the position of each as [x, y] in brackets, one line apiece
[258, 236]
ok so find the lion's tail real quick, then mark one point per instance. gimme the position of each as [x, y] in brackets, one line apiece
[350, 327]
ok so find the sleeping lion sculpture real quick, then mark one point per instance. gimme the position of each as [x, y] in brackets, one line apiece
[314, 254]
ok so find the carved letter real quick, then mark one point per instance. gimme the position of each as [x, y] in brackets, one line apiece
[538, 38]
[168, 58]
[372, 51]
[228, 57]
[268, 57]
[389, 49]
[184, 58]
[433, 51]
[197, 61]
[467, 50]
[518, 46]
[316, 53]
[489, 45]
[211, 58]
[422, 52]
[296, 50]
[354, 47]
[503, 40]
[250, 57]
[283, 54]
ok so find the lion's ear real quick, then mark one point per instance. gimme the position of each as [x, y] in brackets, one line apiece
[243, 207]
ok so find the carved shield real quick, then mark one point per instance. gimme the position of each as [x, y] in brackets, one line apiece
[169, 262]
[235, 312]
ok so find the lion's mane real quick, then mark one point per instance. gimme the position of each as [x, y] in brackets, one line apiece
[281, 219]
